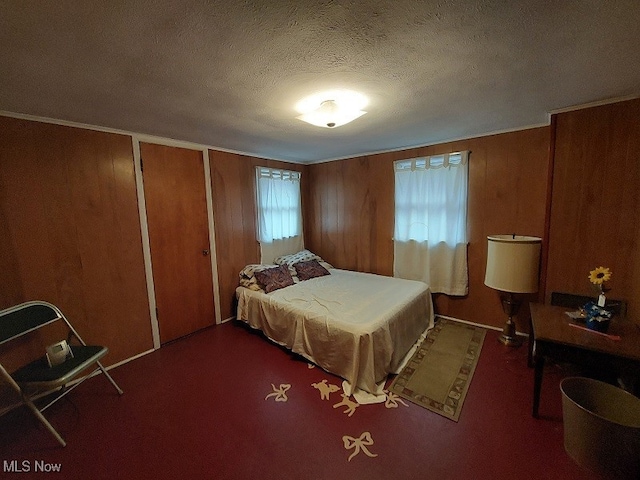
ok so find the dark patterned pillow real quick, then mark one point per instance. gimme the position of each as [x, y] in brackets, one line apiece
[310, 269]
[274, 278]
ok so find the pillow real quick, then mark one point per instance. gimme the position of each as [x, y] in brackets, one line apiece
[310, 269]
[301, 256]
[248, 279]
[326, 265]
[274, 278]
[250, 270]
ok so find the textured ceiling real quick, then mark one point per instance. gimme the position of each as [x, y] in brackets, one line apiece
[228, 74]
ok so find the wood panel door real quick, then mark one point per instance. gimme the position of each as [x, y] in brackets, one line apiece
[175, 196]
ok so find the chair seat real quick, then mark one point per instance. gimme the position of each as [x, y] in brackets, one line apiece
[39, 374]
[37, 380]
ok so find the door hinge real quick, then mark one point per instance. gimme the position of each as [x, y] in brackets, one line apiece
[141, 166]
[156, 313]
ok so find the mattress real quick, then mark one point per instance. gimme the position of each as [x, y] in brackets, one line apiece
[358, 326]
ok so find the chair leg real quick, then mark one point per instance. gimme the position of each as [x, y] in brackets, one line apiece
[113, 382]
[43, 420]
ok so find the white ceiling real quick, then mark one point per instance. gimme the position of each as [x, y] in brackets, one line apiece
[228, 74]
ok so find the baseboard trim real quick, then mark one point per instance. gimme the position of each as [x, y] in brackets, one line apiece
[127, 360]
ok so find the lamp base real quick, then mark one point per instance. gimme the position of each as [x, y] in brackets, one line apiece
[508, 336]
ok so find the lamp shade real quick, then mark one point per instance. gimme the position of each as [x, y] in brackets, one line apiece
[512, 263]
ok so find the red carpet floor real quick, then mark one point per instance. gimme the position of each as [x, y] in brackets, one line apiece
[212, 406]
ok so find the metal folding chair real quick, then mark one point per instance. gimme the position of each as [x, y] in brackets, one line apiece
[37, 379]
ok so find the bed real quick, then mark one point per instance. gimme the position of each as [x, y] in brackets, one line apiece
[358, 326]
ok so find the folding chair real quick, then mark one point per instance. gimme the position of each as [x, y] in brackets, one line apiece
[37, 379]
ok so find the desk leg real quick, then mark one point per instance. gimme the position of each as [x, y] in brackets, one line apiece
[537, 383]
[530, 345]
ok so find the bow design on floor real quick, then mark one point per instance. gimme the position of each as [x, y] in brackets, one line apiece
[279, 393]
[359, 443]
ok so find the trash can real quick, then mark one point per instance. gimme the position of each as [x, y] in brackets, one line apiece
[601, 427]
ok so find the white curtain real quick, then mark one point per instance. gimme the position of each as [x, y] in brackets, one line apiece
[430, 236]
[279, 213]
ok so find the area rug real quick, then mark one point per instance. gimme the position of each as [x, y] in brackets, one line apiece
[439, 373]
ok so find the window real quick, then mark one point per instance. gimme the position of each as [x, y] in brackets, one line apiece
[430, 235]
[279, 209]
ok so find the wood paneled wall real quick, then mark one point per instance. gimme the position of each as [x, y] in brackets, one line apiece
[71, 231]
[233, 191]
[595, 208]
[350, 210]
[349, 213]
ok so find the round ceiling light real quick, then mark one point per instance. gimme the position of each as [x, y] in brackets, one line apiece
[332, 108]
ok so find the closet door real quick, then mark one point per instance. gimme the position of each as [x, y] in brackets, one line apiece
[174, 190]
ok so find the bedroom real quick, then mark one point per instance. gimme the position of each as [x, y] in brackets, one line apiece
[87, 181]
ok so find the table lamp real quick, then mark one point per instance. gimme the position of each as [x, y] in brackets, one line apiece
[512, 268]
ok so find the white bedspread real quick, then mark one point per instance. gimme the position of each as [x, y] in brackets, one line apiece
[359, 326]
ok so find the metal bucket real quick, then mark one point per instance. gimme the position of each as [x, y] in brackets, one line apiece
[601, 427]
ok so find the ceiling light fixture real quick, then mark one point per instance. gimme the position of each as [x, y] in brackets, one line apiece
[332, 109]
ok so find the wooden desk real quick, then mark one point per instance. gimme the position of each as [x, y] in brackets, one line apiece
[555, 338]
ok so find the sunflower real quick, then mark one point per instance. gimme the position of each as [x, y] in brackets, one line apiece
[599, 275]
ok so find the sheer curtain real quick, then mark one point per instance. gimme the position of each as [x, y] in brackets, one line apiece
[430, 236]
[279, 213]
